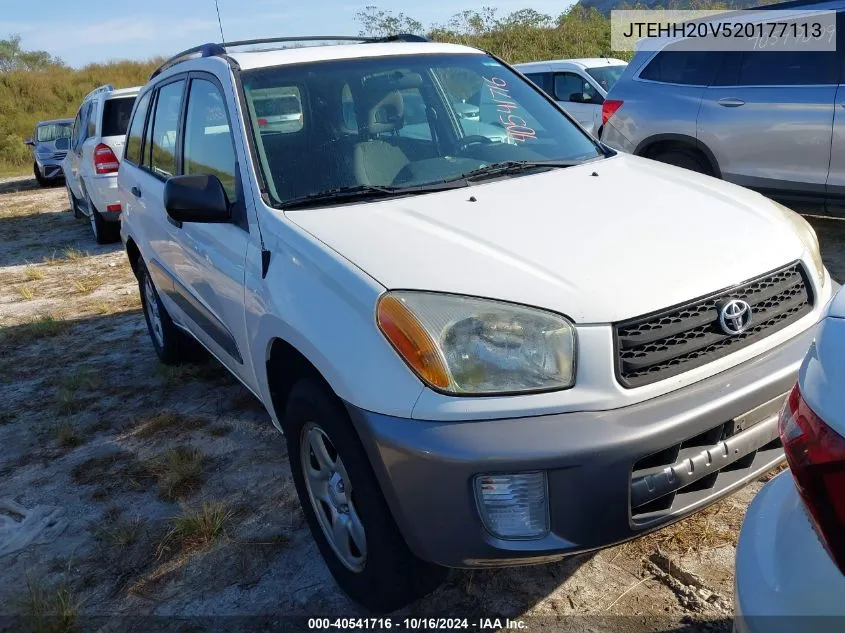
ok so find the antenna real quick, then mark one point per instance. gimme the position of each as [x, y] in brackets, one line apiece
[219, 23]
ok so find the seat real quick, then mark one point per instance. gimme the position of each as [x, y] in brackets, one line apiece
[375, 160]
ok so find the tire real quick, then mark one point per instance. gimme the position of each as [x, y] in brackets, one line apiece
[172, 345]
[74, 203]
[42, 182]
[684, 158]
[104, 232]
[388, 576]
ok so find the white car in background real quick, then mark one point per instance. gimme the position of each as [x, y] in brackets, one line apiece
[580, 86]
[90, 167]
[790, 561]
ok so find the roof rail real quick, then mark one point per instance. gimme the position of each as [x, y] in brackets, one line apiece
[99, 89]
[220, 50]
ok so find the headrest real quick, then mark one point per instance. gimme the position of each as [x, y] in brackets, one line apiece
[387, 114]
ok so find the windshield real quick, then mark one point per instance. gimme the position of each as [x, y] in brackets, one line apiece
[403, 121]
[52, 132]
[606, 76]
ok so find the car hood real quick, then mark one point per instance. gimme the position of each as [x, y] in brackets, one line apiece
[599, 242]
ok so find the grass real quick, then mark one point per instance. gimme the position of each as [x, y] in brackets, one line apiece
[125, 533]
[51, 611]
[67, 436]
[74, 254]
[33, 274]
[168, 420]
[41, 327]
[26, 292]
[68, 402]
[81, 378]
[179, 471]
[197, 530]
[86, 286]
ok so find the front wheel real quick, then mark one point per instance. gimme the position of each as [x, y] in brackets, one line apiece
[344, 506]
[42, 182]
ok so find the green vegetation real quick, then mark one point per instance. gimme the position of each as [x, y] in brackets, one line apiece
[35, 86]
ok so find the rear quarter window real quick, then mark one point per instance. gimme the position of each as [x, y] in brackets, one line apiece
[116, 113]
[689, 68]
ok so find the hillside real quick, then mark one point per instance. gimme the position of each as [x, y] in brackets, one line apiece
[35, 86]
[606, 6]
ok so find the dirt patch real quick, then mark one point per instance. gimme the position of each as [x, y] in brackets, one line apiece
[176, 488]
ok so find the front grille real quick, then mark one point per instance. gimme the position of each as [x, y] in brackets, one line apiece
[666, 343]
[705, 466]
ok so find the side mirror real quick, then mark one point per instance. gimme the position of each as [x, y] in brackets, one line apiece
[29, 142]
[63, 143]
[196, 198]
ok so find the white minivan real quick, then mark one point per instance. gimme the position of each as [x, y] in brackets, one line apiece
[580, 86]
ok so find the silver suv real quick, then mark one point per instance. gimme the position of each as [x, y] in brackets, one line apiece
[771, 121]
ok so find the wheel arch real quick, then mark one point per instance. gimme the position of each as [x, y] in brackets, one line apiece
[650, 145]
[134, 254]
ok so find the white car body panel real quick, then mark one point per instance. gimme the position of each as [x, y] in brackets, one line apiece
[81, 176]
[783, 573]
[327, 272]
[782, 568]
[516, 243]
[587, 114]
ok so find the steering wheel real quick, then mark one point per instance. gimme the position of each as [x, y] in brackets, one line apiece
[472, 139]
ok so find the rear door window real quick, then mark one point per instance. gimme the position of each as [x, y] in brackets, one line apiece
[787, 68]
[689, 68]
[136, 131]
[116, 113]
[164, 133]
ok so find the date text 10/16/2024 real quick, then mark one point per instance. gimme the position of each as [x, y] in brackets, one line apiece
[415, 624]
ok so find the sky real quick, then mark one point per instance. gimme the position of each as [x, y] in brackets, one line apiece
[85, 31]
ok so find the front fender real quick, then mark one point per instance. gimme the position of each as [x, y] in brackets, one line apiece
[324, 306]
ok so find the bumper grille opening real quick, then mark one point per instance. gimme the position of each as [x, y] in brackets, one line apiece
[666, 343]
[669, 482]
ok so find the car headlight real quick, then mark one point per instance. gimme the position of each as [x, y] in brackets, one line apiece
[467, 346]
[808, 237]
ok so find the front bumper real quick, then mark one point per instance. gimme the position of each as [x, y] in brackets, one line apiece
[50, 169]
[668, 456]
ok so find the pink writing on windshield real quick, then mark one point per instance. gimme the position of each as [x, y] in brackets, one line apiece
[517, 127]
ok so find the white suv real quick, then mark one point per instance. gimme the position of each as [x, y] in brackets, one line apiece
[480, 352]
[90, 166]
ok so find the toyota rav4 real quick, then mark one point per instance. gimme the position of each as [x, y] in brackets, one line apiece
[481, 351]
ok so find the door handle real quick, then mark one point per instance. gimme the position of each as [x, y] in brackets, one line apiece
[136, 192]
[731, 102]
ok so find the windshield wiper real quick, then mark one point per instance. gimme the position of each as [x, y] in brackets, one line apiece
[518, 166]
[365, 192]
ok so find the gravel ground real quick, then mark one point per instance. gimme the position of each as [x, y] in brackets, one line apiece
[128, 489]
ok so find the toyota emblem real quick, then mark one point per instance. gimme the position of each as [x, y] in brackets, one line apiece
[735, 316]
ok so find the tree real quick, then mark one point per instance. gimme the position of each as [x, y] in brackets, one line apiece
[377, 22]
[13, 57]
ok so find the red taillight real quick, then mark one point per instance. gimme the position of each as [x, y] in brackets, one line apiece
[262, 122]
[105, 162]
[608, 109]
[113, 207]
[816, 456]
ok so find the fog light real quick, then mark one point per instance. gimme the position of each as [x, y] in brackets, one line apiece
[513, 506]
